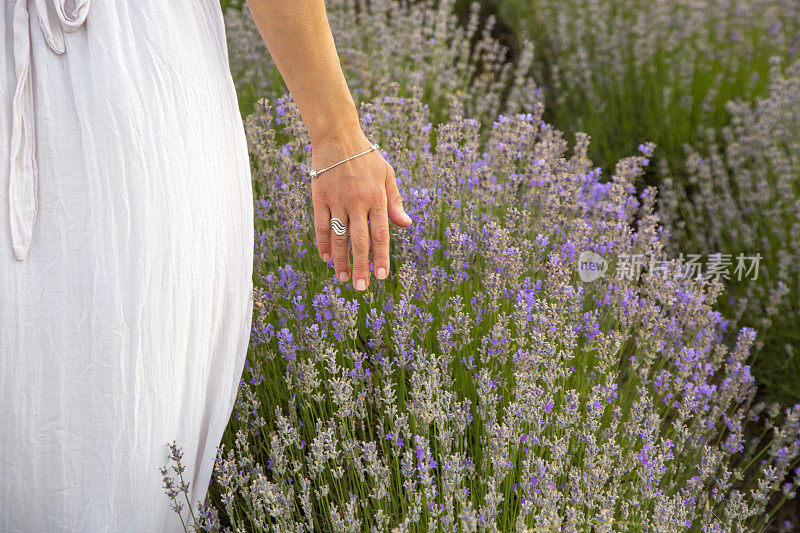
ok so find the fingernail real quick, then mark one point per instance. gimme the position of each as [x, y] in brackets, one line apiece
[381, 272]
[342, 276]
[326, 257]
[361, 285]
[406, 217]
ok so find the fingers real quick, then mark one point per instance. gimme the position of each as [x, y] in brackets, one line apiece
[340, 246]
[394, 202]
[359, 239]
[322, 228]
[379, 234]
[366, 210]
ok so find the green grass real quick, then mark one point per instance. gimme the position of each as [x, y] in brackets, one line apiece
[635, 110]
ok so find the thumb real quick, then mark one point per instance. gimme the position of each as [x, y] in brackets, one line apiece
[394, 202]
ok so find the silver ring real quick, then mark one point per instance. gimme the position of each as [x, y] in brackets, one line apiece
[337, 226]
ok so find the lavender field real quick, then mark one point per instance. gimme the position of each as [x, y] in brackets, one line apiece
[542, 356]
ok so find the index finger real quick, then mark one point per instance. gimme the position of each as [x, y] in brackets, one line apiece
[379, 234]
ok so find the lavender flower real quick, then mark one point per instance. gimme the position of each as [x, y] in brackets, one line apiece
[483, 385]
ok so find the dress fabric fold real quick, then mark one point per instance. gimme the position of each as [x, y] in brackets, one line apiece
[126, 256]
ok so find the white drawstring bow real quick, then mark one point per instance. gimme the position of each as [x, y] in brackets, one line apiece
[24, 173]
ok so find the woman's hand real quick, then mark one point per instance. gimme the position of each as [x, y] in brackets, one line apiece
[361, 192]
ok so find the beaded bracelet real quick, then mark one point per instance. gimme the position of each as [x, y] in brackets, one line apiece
[315, 173]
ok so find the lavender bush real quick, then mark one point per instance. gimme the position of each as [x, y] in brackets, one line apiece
[410, 43]
[483, 386]
[746, 187]
[658, 70]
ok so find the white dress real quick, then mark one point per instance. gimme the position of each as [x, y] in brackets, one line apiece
[126, 256]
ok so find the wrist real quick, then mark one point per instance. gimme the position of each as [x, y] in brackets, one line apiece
[337, 144]
[342, 128]
[342, 140]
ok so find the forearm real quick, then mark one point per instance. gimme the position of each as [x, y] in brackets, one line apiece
[298, 37]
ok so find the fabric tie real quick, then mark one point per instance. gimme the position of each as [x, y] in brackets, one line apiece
[24, 173]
